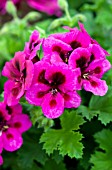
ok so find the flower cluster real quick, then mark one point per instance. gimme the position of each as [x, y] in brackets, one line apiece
[50, 7]
[71, 61]
[12, 124]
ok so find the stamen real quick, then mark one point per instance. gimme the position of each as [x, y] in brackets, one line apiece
[86, 76]
[54, 91]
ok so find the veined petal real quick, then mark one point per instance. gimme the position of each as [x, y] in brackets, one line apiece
[62, 75]
[39, 72]
[96, 51]
[12, 92]
[53, 106]
[51, 44]
[95, 85]
[36, 94]
[21, 123]
[12, 140]
[98, 67]
[19, 61]
[71, 100]
[79, 58]
[29, 74]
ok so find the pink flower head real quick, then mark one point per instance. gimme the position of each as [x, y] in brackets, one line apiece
[53, 88]
[73, 39]
[92, 66]
[50, 6]
[19, 71]
[12, 124]
[32, 47]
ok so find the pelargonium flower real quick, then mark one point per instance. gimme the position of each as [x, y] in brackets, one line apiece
[32, 47]
[53, 88]
[92, 66]
[73, 39]
[19, 71]
[50, 7]
[12, 124]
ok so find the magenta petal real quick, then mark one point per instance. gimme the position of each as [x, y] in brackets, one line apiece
[81, 54]
[1, 160]
[53, 106]
[50, 42]
[72, 99]
[12, 92]
[97, 51]
[1, 142]
[39, 71]
[49, 7]
[15, 110]
[98, 67]
[95, 85]
[19, 61]
[62, 72]
[36, 94]
[29, 74]
[12, 140]
[21, 123]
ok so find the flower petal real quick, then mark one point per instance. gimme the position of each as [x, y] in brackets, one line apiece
[53, 106]
[12, 92]
[79, 58]
[71, 100]
[36, 94]
[21, 123]
[29, 74]
[98, 67]
[95, 85]
[12, 140]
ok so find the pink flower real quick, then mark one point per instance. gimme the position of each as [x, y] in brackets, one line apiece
[50, 7]
[58, 47]
[12, 124]
[53, 88]
[32, 47]
[19, 71]
[93, 65]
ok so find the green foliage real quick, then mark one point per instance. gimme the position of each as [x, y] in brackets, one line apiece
[67, 139]
[101, 106]
[103, 159]
[38, 118]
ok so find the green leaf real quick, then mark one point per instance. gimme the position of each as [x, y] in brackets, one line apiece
[38, 117]
[101, 159]
[87, 112]
[52, 165]
[31, 151]
[67, 139]
[103, 104]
